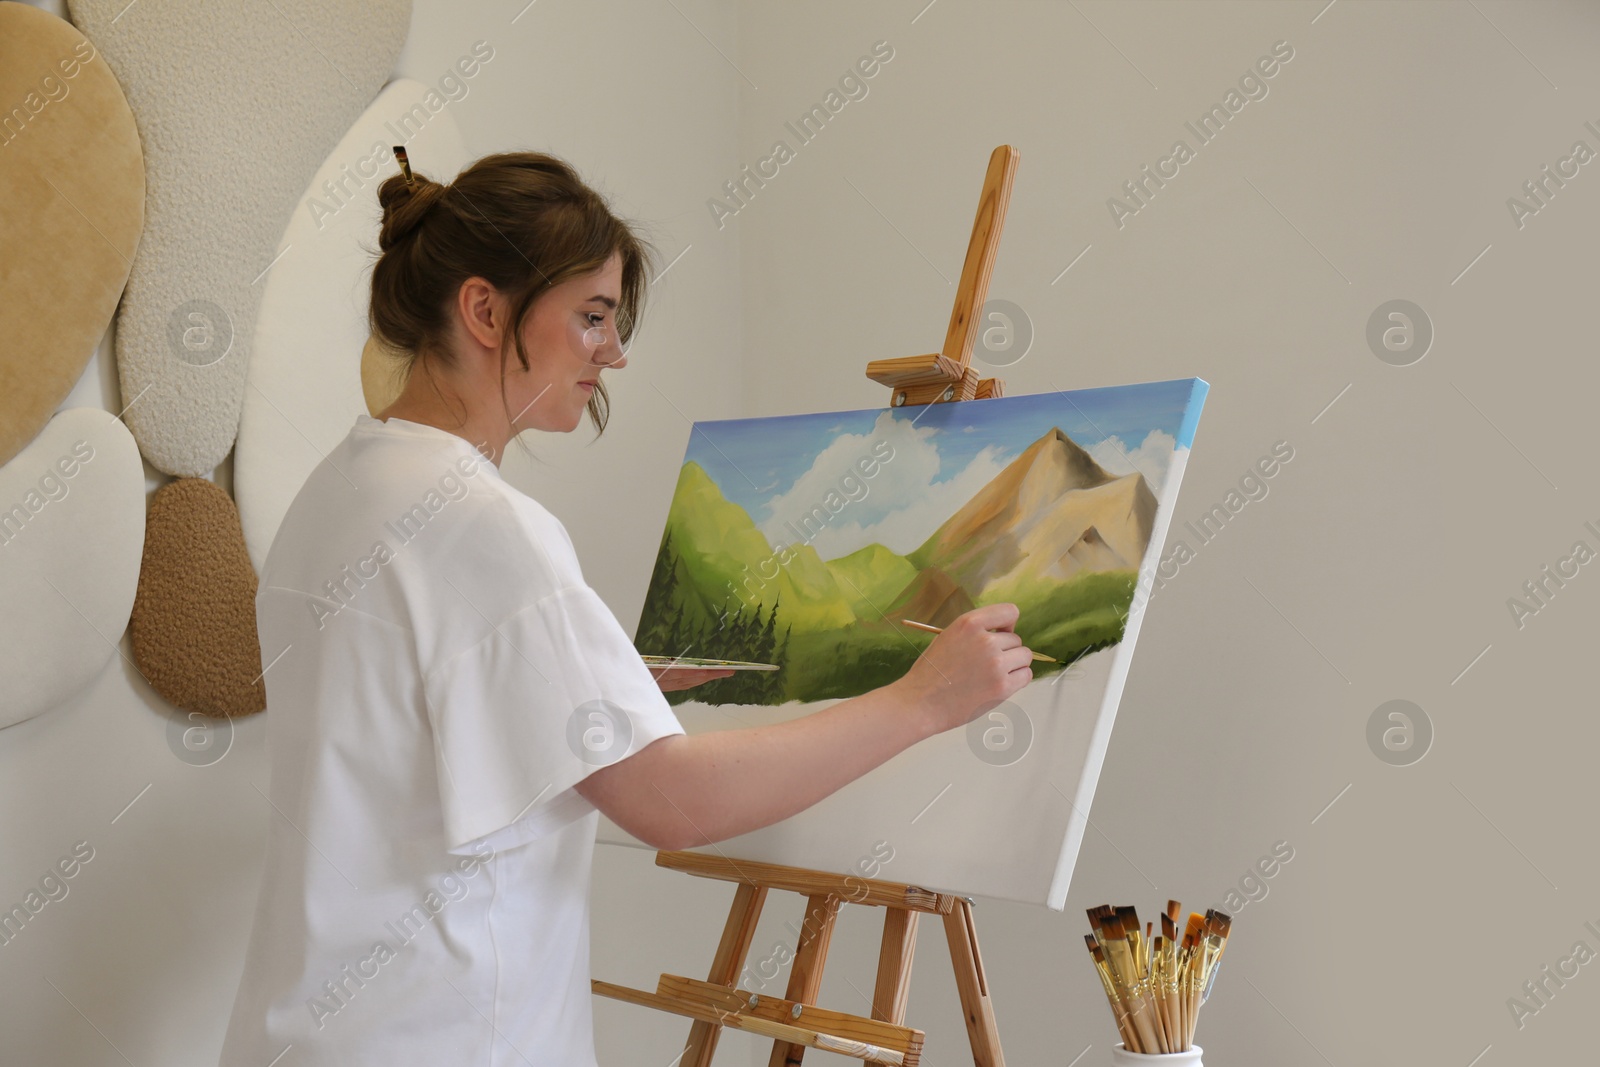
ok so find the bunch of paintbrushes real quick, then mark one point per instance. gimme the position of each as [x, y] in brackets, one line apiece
[1156, 984]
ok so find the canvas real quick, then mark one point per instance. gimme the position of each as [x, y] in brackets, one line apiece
[806, 540]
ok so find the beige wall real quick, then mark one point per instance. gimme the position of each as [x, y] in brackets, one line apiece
[1377, 167]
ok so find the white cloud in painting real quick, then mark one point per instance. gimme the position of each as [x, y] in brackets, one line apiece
[836, 469]
[900, 506]
[926, 507]
[1151, 459]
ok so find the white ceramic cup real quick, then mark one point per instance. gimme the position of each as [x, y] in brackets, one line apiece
[1123, 1058]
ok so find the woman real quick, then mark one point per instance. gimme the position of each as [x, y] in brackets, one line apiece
[451, 705]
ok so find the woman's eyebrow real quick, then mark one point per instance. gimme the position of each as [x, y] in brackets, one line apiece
[606, 300]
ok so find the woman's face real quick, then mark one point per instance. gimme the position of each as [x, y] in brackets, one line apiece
[569, 333]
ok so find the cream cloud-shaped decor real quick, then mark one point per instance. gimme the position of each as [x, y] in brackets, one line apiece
[71, 528]
[73, 209]
[236, 103]
[306, 365]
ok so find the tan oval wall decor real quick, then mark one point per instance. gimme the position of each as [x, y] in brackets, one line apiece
[72, 213]
[383, 375]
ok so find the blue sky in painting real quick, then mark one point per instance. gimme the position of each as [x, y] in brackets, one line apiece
[755, 460]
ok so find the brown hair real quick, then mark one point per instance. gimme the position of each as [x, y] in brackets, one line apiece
[523, 221]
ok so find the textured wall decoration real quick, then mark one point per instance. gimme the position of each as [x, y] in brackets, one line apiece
[73, 209]
[305, 382]
[193, 627]
[236, 103]
[71, 526]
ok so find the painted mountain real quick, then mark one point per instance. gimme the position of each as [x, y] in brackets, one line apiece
[1053, 532]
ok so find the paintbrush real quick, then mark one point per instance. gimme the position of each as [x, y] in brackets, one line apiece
[1119, 936]
[937, 630]
[1191, 938]
[1119, 1010]
[1102, 921]
[1169, 974]
[1217, 926]
[1152, 949]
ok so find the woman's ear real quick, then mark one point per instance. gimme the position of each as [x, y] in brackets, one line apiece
[483, 311]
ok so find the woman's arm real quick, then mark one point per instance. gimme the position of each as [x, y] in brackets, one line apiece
[688, 790]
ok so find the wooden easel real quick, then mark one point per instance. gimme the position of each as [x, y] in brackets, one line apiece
[795, 1022]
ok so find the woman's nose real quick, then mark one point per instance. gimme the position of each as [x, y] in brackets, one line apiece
[604, 347]
[611, 353]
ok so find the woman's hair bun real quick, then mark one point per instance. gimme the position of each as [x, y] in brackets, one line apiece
[405, 204]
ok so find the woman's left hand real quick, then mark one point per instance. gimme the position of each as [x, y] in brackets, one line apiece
[671, 679]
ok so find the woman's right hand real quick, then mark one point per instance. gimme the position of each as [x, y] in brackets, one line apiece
[973, 666]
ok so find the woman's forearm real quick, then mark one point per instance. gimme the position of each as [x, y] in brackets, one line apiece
[690, 790]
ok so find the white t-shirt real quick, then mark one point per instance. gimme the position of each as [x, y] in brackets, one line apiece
[438, 676]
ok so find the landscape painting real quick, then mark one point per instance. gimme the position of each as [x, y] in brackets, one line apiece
[808, 540]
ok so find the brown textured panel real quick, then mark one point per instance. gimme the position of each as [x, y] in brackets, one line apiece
[193, 627]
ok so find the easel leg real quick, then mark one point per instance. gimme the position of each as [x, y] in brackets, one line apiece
[973, 986]
[805, 976]
[894, 965]
[725, 967]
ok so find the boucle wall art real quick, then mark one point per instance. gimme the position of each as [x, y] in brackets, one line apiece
[193, 626]
[71, 526]
[236, 103]
[305, 381]
[72, 212]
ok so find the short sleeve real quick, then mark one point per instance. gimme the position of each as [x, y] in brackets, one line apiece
[551, 694]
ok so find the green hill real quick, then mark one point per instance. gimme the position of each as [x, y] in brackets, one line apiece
[871, 577]
[725, 556]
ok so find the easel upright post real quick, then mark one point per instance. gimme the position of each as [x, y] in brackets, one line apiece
[948, 375]
[726, 966]
[973, 986]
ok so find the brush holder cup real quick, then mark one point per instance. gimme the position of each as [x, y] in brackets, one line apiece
[1121, 1057]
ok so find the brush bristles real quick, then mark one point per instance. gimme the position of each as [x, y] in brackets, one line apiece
[1155, 983]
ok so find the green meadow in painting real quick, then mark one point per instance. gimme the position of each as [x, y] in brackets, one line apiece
[797, 572]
